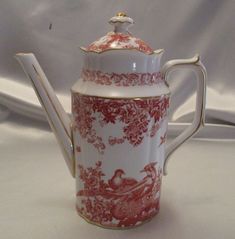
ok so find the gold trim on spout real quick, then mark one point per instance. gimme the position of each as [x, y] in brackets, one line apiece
[72, 170]
[57, 113]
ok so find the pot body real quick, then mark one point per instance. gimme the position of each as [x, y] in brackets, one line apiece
[119, 132]
[120, 146]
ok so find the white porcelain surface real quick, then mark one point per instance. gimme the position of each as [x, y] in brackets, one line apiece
[122, 61]
[90, 88]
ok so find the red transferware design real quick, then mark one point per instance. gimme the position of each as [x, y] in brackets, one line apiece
[118, 40]
[124, 79]
[119, 201]
[139, 117]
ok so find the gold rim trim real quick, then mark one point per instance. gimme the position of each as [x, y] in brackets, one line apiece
[122, 98]
[116, 228]
[155, 52]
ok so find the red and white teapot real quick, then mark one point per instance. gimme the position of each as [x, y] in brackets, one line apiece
[115, 143]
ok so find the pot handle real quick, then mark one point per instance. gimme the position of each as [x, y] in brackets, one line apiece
[195, 65]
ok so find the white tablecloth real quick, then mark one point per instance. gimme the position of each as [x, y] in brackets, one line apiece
[38, 194]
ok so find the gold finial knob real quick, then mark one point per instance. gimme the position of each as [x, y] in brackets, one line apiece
[121, 14]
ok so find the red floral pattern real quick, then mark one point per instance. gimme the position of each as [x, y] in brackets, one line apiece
[119, 41]
[84, 118]
[78, 149]
[119, 201]
[124, 79]
[139, 118]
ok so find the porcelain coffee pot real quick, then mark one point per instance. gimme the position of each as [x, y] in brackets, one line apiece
[115, 143]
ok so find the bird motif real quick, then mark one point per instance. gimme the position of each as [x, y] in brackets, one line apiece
[150, 171]
[152, 177]
[119, 183]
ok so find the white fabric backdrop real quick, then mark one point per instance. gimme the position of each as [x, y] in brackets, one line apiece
[181, 27]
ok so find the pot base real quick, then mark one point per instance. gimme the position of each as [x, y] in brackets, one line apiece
[116, 227]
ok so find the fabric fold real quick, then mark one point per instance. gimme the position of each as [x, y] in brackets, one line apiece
[21, 99]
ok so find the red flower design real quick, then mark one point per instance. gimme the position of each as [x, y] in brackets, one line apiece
[119, 41]
[78, 149]
[114, 140]
[119, 37]
[139, 117]
[143, 46]
[124, 79]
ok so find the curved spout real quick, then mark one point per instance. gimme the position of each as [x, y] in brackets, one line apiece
[57, 117]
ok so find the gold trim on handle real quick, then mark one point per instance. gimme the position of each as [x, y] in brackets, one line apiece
[193, 61]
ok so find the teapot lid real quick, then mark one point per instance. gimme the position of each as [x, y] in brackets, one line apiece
[120, 38]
